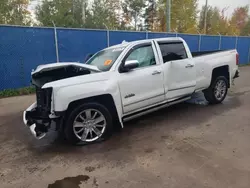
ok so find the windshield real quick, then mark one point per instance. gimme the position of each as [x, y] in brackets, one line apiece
[105, 59]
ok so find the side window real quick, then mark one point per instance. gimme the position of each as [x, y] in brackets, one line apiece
[144, 55]
[172, 51]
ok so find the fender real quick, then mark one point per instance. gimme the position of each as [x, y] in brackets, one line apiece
[66, 95]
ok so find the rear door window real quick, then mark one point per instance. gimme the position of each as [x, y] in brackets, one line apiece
[172, 51]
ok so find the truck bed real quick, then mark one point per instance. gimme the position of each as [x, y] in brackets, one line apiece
[206, 61]
[201, 53]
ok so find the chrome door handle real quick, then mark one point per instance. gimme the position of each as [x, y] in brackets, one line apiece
[189, 66]
[156, 72]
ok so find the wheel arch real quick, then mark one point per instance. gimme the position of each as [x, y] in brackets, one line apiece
[221, 71]
[105, 99]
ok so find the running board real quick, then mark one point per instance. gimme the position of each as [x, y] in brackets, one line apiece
[153, 109]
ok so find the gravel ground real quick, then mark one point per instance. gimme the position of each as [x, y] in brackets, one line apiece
[188, 145]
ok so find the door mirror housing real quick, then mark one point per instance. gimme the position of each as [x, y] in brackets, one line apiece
[129, 65]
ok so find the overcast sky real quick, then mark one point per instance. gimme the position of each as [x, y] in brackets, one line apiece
[231, 4]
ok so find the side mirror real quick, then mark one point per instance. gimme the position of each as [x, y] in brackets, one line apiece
[129, 65]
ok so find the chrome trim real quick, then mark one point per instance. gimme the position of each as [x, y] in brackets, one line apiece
[154, 109]
[89, 127]
[144, 108]
[156, 72]
[182, 88]
[189, 66]
[144, 100]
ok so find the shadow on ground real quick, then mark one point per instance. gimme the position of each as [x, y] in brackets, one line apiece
[190, 113]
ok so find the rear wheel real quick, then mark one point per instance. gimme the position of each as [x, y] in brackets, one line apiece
[217, 91]
[88, 123]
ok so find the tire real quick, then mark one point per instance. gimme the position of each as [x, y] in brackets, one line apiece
[210, 93]
[77, 120]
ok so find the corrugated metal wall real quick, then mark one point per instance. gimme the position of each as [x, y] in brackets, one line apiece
[24, 48]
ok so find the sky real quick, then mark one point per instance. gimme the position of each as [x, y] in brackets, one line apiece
[231, 4]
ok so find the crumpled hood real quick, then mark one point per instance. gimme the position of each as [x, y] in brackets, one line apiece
[51, 73]
[46, 67]
[89, 78]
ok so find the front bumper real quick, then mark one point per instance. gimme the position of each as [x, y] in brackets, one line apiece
[38, 125]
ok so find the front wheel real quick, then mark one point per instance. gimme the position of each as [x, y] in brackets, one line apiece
[217, 91]
[88, 123]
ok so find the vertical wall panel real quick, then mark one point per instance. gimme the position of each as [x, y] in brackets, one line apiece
[160, 35]
[75, 44]
[21, 50]
[116, 37]
[192, 41]
[243, 49]
[228, 42]
[209, 43]
[24, 48]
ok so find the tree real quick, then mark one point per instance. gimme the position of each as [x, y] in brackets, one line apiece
[239, 20]
[150, 15]
[224, 23]
[213, 20]
[77, 13]
[133, 11]
[105, 13]
[217, 22]
[64, 13]
[183, 15]
[15, 12]
[246, 30]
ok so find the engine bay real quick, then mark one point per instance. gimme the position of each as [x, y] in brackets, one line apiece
[59, 73]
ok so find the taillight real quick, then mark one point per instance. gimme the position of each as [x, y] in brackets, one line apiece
[237, 59]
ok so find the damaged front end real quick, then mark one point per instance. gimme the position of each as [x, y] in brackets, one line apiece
[40, 115]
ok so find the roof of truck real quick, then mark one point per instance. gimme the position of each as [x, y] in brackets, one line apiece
[125, 43]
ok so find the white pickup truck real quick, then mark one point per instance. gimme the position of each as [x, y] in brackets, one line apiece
[122, 82]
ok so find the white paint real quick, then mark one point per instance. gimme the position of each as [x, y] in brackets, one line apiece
[173, 80]
[52, 66]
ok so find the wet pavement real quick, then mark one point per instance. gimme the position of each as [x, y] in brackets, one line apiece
[187, 145]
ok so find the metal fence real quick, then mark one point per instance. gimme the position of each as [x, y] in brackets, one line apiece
[24, 48]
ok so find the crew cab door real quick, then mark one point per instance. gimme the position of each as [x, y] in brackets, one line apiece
[179, 69]
[142, 86]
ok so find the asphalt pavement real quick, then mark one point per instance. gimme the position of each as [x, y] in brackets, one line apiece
[187, 145]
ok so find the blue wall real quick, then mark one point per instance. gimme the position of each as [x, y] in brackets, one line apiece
[24, 48]
[74, 45]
